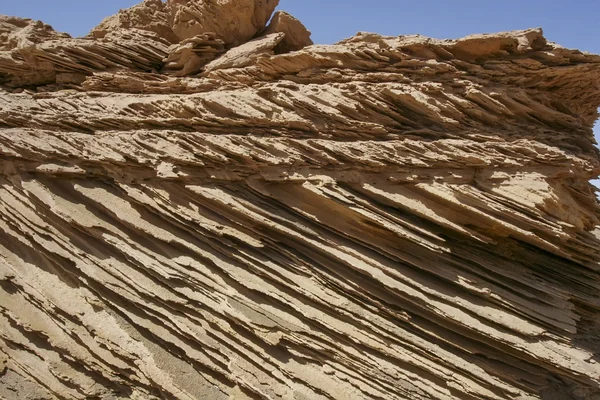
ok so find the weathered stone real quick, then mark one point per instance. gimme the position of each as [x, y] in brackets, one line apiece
[297, 36]
[17, 33]
[36, 63]
[233, 21]
[248, 53]
[191, 55]
[150, 15]
[189, 213]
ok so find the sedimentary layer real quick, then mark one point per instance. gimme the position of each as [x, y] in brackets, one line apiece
[196, 203]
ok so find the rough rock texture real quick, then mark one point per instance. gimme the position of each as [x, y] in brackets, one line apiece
[233, 21]
[296, 37]
[191, 55]
[385, 218]
[35, 55]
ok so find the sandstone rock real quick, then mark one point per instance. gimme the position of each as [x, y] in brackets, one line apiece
[297, 36]
[21, 32]
[35, 62]
[177, 37]
[233, 21]
[191, 55]
[386, 217]
[150, 15]
[248, 53]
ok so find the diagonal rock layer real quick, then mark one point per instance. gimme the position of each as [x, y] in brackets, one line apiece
[197, 203]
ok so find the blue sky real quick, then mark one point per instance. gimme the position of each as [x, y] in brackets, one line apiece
[573, 24]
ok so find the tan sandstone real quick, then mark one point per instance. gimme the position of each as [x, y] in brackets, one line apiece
[195, 204]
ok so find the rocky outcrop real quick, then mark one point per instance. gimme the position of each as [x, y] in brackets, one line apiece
[191, 55]
[296, 36]
[34, 55]
[233, 21]
[178, 38]
[213, 216]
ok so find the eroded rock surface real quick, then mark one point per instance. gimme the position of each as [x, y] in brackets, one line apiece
[197, 213]
[233, 21]
[296, 36]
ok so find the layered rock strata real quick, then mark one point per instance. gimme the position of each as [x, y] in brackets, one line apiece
[196, 205]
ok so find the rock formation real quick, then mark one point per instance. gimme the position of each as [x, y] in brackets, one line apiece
[196, 204]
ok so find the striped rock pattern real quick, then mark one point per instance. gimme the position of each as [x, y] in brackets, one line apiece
[383, 218]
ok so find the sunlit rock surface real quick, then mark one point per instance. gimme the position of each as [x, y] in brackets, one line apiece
[196, 205]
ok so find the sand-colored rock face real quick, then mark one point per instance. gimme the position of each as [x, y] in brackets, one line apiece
[296, 36]
[196, 216]
[233, 21]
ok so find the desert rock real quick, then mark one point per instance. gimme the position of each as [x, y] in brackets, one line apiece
[189, 210]
[296, 37]
[233, 21]
[191, 55]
